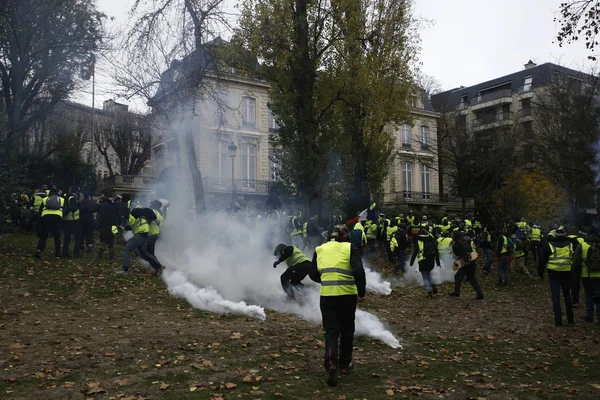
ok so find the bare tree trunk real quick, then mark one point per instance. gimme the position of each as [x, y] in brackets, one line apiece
[195, 172]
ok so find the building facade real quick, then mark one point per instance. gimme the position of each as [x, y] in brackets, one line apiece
[413, 179]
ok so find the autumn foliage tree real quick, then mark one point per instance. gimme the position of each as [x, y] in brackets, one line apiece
[531, 195]
[579, 19]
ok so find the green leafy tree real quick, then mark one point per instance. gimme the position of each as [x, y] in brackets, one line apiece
[339, 74]
[43, 45]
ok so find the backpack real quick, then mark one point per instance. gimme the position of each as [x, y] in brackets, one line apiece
[53, 202]
[510, 245]
[593, 258]
[429, 248]
[356, 238]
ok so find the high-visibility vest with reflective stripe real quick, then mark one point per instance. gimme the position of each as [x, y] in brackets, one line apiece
[37, 202]
[580, 240]
[421, 256]
[333, 263]
[389, 232]
[296, 258]
[519, 253]
[504, 245]
[560, 258]
[140, 226]
[72, 216]
[296, 231]
[154, 228]
[536, 234]
[372, 231]
[46, 211]
[585, 272]
[445, 247]
[468, 224]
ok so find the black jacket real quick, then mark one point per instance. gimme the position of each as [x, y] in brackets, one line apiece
[429, 261]
[108, 214]
[357, 269]
[87, 208]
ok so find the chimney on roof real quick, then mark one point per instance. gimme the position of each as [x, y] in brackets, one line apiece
[530, 64]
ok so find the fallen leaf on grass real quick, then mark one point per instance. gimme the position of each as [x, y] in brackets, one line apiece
[93, 388]
[389, 392]
[208, 364]
[230, 385]
[193, 388]
[163, 386]
[247, 379]
[69, 385]
[256, 392]
[595, 386]
[274, 356]
[122, 382]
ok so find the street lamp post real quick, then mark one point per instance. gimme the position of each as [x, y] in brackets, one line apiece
[232, 150]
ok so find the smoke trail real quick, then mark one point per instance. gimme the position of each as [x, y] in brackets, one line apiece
[208, 299]
[375, 283]
[219, 264]
[441, 274]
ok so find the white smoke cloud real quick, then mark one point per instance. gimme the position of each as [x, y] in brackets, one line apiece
[221, 264]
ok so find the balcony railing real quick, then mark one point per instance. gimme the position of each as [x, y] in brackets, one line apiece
[526, 112]
[127, 182]
[420, 197]
[495, 95]
[492, 119]
[215, 184]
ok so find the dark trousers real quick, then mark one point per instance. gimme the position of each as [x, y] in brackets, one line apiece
[71, 228]
[338, 322]
[372, 243]
[293, 276]
[138, 242]
[502, 268]
[50, 223]
[151, 244]
[400, 265]
[575, 290]
[468, 272]
[561, 280]
[87, 231]
[39, 225]
[535, 250]
[591, 289]
[107, 239]
[390, 254]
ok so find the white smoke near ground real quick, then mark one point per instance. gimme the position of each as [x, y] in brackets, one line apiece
[223, 264]
[412, 275]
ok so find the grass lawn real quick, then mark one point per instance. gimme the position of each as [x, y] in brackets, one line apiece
[72, 329]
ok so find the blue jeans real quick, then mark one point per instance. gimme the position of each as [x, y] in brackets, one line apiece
[427, 281]
[591, 287]
[400, 265]
[488, 260]
[561, 280]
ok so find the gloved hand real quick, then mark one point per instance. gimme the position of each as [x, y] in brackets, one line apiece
[275, 264]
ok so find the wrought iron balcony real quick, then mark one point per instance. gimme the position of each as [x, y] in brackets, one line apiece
[250, 186]
[420, 197]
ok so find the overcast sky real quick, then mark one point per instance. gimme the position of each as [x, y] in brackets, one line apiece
[468, 42]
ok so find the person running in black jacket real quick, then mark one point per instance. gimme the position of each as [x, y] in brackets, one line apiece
[462, 249]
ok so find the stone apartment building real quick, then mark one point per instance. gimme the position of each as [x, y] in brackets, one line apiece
[506, 102]
[413, 180]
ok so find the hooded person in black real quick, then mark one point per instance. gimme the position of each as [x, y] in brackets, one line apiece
[87, 208]
[108, 216]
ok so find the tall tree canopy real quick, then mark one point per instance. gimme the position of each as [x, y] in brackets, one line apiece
[340, 73]
[579, 19]
[43, 46]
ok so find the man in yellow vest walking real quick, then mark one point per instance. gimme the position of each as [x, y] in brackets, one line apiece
[298, 266]
[338, 267]
[557, 256]
[586, 264]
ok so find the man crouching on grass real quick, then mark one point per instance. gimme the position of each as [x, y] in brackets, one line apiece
[338, 267]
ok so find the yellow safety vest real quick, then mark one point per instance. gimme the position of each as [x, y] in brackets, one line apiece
[46, 211]
[585, 272]
[445, 247]
[504, 245]
[560, 259]
[140, 226]
[389, 232]
[155, 225]
[296, 258]
[411, 220]
[536, 234]
[519, 253]
[468, 224]
[37, 202]
[372, 231]
[420, 256]
[333, 263]
[72, 216]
